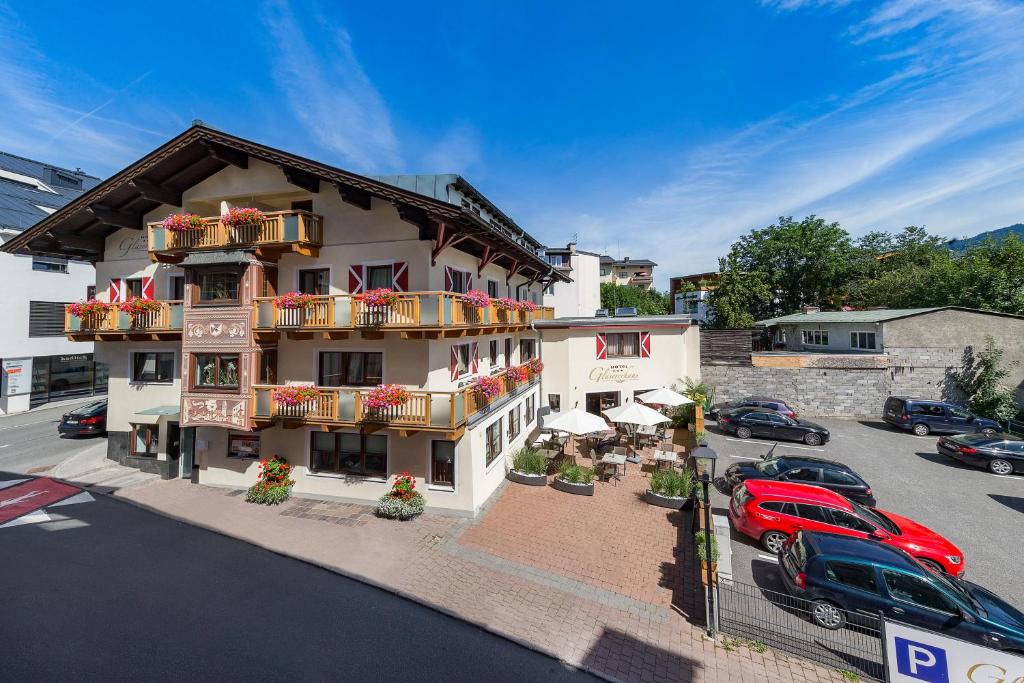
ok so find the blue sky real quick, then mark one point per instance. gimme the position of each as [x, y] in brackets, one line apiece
[657, 130]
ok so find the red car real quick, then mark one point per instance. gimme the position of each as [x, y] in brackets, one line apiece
[770, 511]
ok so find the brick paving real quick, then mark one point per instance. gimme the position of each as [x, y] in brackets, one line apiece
[593, 581]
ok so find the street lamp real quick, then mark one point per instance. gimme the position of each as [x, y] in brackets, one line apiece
[704, 460]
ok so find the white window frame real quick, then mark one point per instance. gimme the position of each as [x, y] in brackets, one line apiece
[175, 373]
[502, 443]
[810, 334]
[855, 335]
[330, 274]
[430, 469]
[466, 276]
[469, 359]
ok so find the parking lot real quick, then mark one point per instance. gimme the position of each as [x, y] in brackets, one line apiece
[981, 513]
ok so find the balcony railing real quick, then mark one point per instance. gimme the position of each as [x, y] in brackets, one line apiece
[112, 322]
[412, 311]
[295, 230]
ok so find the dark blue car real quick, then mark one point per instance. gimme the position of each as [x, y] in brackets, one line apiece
[843, 576]
[923, 416]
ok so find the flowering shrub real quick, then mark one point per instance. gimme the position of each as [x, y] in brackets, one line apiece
[506, 303]
[295, 300]
[403, 501]
[475, 297]
[518, 373]
[238, 216]
[81, 309]
[386, 396]
[273, 485]
[527, 306]
[136, 306]
[488, 386]
[295, 395]
[379, 297]
[180, 222]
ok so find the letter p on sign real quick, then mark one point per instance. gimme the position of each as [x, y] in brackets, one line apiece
[920, 661]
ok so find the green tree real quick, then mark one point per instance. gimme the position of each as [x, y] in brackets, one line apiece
[981, 380]
[736, 294]
[646, 301]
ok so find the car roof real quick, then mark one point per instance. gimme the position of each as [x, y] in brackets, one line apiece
[796, 493]
[860, 549]
[814, 461]
[981, 439]
[762, 398]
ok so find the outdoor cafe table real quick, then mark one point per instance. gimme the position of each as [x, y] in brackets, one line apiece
[667, 458]
[616, 459]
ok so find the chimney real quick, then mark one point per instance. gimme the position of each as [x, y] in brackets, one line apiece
[810, 309]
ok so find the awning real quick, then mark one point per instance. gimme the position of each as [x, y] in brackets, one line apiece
[215, 258]
[151, 416]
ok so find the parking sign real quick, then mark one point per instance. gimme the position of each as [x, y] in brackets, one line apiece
[917, 656]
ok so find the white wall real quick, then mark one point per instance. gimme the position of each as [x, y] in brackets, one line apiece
[582, 296]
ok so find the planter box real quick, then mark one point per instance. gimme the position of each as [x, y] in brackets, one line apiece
[670, 502]
[578, 489]
[528, 479]
[704, 572]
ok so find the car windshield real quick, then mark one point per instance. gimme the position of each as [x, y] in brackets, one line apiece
[771, 467]
[877, 518]
[960, 590]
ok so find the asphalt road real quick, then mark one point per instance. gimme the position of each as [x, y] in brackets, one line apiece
[981, 513]
[115, 592]
[29, 442]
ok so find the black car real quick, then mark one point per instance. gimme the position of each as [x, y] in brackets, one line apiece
[768, 424]
[828, 474]
[923, 416]
[997, 454]
[87, 420]
[776, 404]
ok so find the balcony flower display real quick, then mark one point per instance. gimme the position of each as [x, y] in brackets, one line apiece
[294, 395]
[295, 300]
[506, 304]
[526, 306]
[487, 386]
[82, 309]
[180, 222]
[379, 297]
[238, 216]
[536, 366]
[137, 306]
[274, 482]
[385, 396]
[477, 298]
[403, 501]
[518, 373]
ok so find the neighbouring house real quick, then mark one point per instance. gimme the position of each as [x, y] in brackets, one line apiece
[582, 296]
[846, 363]
[689, 295]
[597, 363]
[262, 328]
[39, 364]
[627, 271]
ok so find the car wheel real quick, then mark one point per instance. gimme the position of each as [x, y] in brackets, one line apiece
[827, 615]
[812, 439]
[743, 432]
[921, 429]
[998, 466]
[988, 431]
[933, 565]
[773, 541]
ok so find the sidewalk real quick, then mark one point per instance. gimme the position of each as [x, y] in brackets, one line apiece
[90, 469]
[607, 632]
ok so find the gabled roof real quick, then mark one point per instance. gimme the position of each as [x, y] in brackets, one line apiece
[608, 260]
[79, 229]
[32, 190]
[879, 315]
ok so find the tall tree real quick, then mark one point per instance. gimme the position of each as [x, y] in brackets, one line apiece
[736, 294]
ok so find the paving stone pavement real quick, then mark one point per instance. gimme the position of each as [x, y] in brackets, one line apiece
[559, 605]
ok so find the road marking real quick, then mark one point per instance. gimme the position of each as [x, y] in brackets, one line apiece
[5, 445]
[26, 424]
[770, 558]
[771, 443]
[31, 496]
[746, 457]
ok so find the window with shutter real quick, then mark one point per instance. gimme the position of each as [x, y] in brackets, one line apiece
[355, 279]
[602, 347]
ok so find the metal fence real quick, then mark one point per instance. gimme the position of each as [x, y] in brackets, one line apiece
[783, 622]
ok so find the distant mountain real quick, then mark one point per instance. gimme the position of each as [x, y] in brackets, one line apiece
[998, 235]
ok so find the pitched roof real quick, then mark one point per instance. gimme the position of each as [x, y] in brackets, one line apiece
[873, 316]
[32, 190]
[627, 261]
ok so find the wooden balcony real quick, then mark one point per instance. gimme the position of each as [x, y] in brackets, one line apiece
[435, 411]
[115, 325]
[416, 315]
[281, 231]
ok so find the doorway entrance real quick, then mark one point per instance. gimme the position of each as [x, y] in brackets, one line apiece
[188, 452]
[601, 401]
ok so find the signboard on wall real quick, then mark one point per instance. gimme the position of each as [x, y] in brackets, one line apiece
[619, 372]
[16, 376]
[913, 655]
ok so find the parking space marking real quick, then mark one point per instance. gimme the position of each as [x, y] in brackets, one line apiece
[770, 558]
[772, 443]
[750, 457]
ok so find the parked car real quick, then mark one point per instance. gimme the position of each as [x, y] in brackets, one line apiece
[771, 511]
[87, 420]
[922, 417]
[776, 404]
[748, 422]
[829, 474]
[843, 576]
[997, 454]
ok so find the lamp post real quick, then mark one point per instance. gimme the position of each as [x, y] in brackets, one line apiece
[704, 460]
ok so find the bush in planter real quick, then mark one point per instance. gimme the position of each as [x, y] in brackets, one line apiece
[529, 461]
[273, 485]
[702, 549]
[672, 483]
[574, 474]
[403, 501]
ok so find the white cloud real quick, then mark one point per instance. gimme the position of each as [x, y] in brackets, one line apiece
[457, 151]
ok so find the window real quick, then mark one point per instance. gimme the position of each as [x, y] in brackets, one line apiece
[268, 366]
[350, 368]
[492, 289]
[521, 292]
[814, 513]
[514, 424]
[460, 281]
[508, 352]
[623, 344]
[623, 273]
[216, 371]
[177, 288]
[557, 259]
[45, 319]
[442, 464]
[218, 287]
[780, 507]
[555, 402]
[47, 264]
[777, 420]
[531, 410]
[349, 453]
[914, 590]
[815, 337]
[316, 281]
[462, 359]
[493, 441]
[847, 521]
[90, 291]
[605, 272]
[959, 412]
[493, 352]
[860, 576]
[527, 349]
[153, 366]
[243, 445]
[862, 340]
[802, 474]
[840, 478]
[133, 288]
[145, 439]
[379, 277]
[550, 289]
[928, 409]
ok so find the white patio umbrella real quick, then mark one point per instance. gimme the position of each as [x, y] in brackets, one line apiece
[636, 414]
[576, 422]
[664, 397]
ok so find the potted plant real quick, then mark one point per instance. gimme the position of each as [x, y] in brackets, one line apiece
[518, 374]
[487, 386]
[477, 298]
[87, 314]
[536, 366]
[403, 501]
[574, 479]
[181, 222]
[295, 300]
[295, 395]
[700, 438]
[384, 397]
[238, 217]
[527, 306]
[377, 303]
[529, 466]
[505, 306]
[670, 489]
[700, 539]
[274, 483]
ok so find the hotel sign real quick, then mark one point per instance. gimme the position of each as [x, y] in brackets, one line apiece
[620, 374]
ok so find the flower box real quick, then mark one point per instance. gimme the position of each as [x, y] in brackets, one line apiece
[527, 479]
[576, 489]
[477, 298]
[386, 396]
[527, 306]
[88, 309]
[295, 395]
[518, 373]
[379, 298]
[239, 216]
[294, 300]
[488, 386]
[136, 306]
[182, 222]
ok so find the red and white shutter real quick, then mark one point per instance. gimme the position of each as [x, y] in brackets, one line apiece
[147, 287]
[449, 279]
[355, 279]
[455, 364]
[400, 276]
[645, 344]
[117, 290]
[475, 356]
[602, 347]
